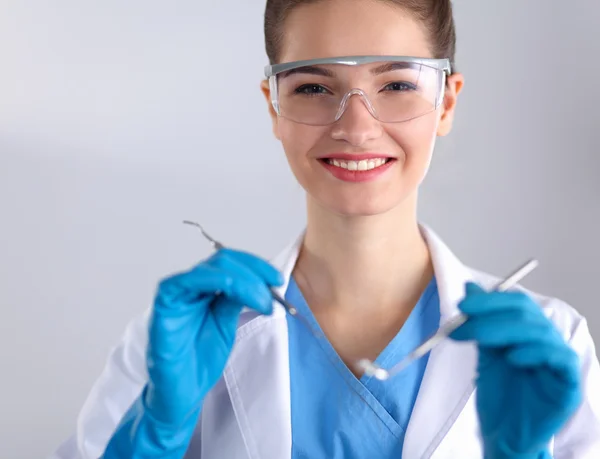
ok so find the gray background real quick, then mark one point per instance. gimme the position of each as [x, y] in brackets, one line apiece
[120, 119]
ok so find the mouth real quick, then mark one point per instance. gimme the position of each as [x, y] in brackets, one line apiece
[357, 168]
[362, 165]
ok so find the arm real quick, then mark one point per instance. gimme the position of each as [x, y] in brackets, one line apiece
[140, 435]
[580, 437]
[113, 393]
[148, 401]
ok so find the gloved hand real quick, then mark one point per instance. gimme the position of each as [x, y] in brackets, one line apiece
[528, 384]
[191, 334]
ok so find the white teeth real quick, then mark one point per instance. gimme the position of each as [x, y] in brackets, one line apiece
[364, 165]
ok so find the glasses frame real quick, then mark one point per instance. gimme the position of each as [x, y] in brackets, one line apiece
[271, 71]
[438, 64]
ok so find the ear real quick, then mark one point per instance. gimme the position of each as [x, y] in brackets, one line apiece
[454, 85]
[266, 90]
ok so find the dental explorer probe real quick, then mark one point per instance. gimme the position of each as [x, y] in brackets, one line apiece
[372, 369]
[218, 246]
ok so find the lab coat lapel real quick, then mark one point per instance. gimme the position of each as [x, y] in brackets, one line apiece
[257, 375]
[448, 380]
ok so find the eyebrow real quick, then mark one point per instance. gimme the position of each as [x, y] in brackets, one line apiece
[391, 66]
[309, 70]
[320, 71]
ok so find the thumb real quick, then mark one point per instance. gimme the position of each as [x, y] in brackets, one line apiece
[471, 288]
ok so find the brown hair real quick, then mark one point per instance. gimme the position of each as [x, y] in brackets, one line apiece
[435, 14]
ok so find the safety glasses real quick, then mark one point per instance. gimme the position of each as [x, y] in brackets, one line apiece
[394, 89]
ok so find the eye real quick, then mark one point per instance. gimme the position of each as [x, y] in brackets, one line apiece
[400, 86]
[311, 90]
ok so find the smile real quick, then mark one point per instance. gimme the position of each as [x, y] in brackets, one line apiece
[363, 169]
[363, 165]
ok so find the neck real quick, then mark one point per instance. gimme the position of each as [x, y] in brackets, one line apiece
[357, 264]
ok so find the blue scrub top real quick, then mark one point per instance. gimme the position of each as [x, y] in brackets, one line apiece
[334, 414]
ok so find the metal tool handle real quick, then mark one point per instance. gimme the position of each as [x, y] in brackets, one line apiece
[443, 331]
[456, 321]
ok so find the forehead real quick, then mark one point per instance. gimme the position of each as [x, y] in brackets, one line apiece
[352, 27]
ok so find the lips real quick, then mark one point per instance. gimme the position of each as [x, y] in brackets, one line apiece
[360, 168]
[356, 157]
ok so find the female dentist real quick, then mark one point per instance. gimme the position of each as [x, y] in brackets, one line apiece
[232, 375]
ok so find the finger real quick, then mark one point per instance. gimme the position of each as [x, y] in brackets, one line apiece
[225, 261]
[231, 279]
[556, 356]
[471, 288]
[225, 317]
[557, 365]
[478, 302]
[171, 334]
[262, 268]
[507, 328]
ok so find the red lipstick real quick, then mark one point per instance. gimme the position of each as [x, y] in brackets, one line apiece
[346, 174]
[357, 157]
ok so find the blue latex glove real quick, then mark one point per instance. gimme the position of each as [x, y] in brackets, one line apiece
[528, 382]
[191, 334]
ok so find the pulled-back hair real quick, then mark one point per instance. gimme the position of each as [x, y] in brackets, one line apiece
[436, 15]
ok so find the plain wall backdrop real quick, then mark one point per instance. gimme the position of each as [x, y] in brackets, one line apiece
[120, 119]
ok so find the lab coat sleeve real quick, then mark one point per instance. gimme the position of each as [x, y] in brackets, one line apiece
[580, 438]
[113, 393]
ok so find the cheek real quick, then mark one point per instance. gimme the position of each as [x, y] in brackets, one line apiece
[298, 140]
[417, 140]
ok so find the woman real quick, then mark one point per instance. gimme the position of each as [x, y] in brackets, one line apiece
[515, 381]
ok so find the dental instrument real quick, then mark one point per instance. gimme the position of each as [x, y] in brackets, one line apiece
[370, 368]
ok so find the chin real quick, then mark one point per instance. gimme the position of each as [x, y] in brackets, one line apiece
[360, 206]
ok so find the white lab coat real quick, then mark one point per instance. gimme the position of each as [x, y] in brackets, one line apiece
[247, 414]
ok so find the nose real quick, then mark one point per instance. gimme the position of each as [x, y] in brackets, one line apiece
[357, 125]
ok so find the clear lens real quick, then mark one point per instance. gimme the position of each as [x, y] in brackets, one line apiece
[396, 91]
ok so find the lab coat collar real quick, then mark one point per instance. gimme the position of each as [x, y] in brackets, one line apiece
[257, 375]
